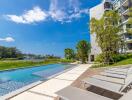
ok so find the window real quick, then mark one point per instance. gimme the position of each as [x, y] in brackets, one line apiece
[107, 5]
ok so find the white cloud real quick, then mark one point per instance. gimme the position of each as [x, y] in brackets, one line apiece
[56, 12]
[79, 13]
[67, 12]
[57, 15]
[7, 39]
[74, 4]
[64, 11]
[31, 16]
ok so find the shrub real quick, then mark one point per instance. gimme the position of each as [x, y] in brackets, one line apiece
[115, 58]
[99, 65]
[121, 57]
[99, 58]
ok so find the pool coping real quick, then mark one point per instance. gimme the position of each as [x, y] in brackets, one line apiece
[25, 88]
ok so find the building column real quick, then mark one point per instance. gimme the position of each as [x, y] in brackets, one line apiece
[89, 58]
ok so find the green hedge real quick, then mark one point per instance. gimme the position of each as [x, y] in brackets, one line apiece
[116, 58]
[121, 57]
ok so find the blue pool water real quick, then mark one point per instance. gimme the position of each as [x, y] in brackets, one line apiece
[14, 79]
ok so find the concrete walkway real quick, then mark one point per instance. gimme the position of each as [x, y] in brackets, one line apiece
[46, 90]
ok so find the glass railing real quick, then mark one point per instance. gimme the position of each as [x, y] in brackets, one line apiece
[122, 1]
[124, 9]
[125, 19]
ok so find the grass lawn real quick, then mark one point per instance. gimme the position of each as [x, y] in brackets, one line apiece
[124, 62]
[7, 64]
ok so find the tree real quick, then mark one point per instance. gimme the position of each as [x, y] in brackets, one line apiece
[129, 23]
[12, 52]
[69, 53]
[106, 30]
[83, 50]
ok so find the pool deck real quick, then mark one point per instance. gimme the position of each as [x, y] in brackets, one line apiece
[46, 90]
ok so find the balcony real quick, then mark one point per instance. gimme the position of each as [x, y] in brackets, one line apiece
[124, 20]
[126, 28]
[128, 40]
[124, 11]
[129, 48]
[129, 51]
[125, 3]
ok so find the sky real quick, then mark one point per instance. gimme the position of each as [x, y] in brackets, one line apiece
[44, 26]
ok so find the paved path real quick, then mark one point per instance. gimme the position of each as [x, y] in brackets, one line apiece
[46, 90]
[127, 96]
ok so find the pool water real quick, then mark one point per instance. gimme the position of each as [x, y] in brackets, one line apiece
[14, 79]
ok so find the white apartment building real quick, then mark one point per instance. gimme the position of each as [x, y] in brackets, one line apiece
[97, 12]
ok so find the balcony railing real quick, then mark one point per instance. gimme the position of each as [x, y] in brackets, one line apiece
[128, 40]
[125, 3]
[124, 20]
[129, 51]
[122, 1]
[125, 12]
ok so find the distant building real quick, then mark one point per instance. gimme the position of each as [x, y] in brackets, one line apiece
[97, 12]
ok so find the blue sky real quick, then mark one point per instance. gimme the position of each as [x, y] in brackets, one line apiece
[44, 26]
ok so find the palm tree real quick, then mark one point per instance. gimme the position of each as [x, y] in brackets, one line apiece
[83, 50]
[69, 53]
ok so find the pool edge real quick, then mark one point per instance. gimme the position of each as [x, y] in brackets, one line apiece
[25, 88]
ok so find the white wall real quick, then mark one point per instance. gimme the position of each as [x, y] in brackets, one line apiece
[95, 50]
[96, 12]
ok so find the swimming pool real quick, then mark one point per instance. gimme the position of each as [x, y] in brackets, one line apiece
[12, 80]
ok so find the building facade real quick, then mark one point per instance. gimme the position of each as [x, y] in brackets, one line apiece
[122, 6]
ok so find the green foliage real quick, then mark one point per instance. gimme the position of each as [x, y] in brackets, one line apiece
[10, 64]
[106, 30]
[121, 57]
[129, 30]
[69, 53]
[67, 60]
[83, 50]
[123, 62]
[130, 12]
[99, 65]
[12, 52]
[115, 58]
[99, 58]
[18, 64]
[51, 57]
